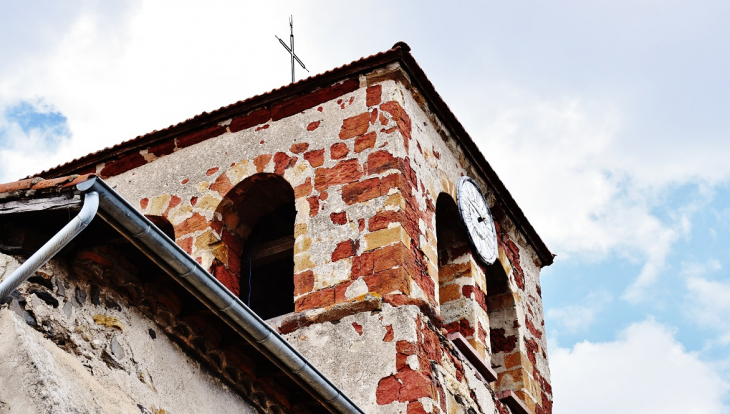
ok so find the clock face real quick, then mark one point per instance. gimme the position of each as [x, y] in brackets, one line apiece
[475, 213]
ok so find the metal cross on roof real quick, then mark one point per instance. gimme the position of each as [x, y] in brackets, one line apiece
[290, 48]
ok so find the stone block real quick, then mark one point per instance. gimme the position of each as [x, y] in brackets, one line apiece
[385, 237]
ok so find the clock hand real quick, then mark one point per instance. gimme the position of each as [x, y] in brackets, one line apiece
[476, 208]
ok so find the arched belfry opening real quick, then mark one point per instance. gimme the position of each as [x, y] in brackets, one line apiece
[257, 229]
[463, 283]
[453, 260]
[503, 323]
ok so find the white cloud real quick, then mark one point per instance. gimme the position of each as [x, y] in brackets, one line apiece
[708, 300]
[645, 370]
[564, 161]
[579, 317]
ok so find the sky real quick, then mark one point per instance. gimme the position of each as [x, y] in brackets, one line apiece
[607, 121]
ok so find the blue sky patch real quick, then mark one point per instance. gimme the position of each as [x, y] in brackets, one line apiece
[52, 125]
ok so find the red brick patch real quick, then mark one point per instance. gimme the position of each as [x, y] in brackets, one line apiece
[186, 244]
[389, 335]
[339, 218]
[299, 147]
[318, 299]
[249, 120]
[222, 184]
[373, 94]
[304, 189]
[123, 164]
[343, 173]
[388, 281]
[400, 116]
[339, 151]
[354, 126]
[282, 162]
[94, 257]
[228, 278]
[361, 191]
[163, 148]
[381, 161]
[387, 391]
[315, 158]
[313, 125]
[194, 223]
[382, 219]
[415, 385]
[364, 142]
[310, 100]
[344, 249]
[174, 202]
[261, 161]
[303, 282]
[313, 205]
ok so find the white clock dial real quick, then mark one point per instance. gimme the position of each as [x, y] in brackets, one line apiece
[478, 220]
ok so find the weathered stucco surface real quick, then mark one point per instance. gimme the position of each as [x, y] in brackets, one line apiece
[357, 352]
[90, 352]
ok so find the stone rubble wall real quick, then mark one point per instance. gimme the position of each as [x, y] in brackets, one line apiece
[87, 336]
[366, 160]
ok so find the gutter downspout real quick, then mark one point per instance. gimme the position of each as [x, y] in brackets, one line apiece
[178, 264]
[53, 246]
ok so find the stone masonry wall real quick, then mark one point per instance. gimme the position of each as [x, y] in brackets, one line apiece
[73, 346]
[366, 160]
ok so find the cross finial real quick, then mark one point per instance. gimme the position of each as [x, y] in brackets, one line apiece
[290, 48]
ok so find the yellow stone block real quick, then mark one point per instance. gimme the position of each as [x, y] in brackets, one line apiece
[385, 237]
[220, 251]
[517, 359]
[302, 262]
[238, 172]
[504, 261]
[480, 278]
[302, 245]
[450, 272]
[449, 292]
[158, 204]
[108, 320]
[205, 240]
[433, 271]
[300, 229]
[481, 349]
[202, 186]
[207, 203]
[430, 252]
[527, 399]
[182, 214]
[396, 200]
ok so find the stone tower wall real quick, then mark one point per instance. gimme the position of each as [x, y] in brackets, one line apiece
[367, 160]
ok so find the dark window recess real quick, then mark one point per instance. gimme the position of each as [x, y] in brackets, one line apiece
[164, 225]
[267, 265]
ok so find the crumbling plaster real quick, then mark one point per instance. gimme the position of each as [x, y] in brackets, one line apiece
[96, 354]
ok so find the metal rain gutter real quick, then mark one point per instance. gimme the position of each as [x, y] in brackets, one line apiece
[176, 262]
[53, 246]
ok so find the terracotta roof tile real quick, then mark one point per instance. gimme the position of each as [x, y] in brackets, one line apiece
[39, 184]
[16, 185]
